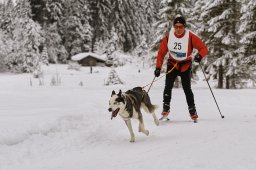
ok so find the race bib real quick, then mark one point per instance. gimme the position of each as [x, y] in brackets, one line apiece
[178, 47]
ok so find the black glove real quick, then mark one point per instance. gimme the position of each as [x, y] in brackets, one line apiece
[157, 72]
[198, 58]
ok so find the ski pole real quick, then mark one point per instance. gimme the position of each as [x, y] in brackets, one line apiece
[222, 116]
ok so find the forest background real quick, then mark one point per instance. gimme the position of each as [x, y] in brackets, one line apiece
[36, 32]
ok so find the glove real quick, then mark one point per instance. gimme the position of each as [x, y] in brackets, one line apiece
[198, 58]
[157, 72]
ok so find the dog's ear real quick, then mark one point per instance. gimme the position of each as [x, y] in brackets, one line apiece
[120, 92]
[113, 93]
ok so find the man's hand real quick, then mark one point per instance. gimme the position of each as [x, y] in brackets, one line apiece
[157, 72]
[198, 58]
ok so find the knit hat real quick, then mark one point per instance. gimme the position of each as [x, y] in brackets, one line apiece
[180, 20]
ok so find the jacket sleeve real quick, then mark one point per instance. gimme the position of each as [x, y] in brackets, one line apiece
[162, 51]
[199, 45]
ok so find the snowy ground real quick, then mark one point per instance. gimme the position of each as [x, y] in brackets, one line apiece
[68, 127]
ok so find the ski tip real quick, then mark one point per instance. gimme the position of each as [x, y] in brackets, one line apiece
[164, 118]
[195, 120]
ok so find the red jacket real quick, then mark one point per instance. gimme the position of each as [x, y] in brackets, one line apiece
[196, 43]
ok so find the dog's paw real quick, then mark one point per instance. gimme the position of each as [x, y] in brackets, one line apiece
[132, 139]
[146, 132]
[157, 122]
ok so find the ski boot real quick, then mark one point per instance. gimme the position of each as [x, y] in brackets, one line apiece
[166, 111]
[193, 114]
[165, 115]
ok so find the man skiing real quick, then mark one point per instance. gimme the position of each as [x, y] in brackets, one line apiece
[179, 44]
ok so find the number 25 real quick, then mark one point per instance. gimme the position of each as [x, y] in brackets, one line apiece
[177, 46]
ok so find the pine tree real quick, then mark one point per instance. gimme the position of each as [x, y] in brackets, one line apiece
[111, 46]
[53, 42]
[130, 22]
[247, 32]
[76, 29]
[221, 18]
[169, 9]
[196, 22]
[148, 12]
[44, 56]
[99, 21]
[122, 18]
[113, 78]
[27, 37]
[7, 16]
[38, 10]
[55, 10]
[50, 15]
[4, 50]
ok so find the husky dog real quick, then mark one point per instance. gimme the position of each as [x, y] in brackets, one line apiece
[128, 105]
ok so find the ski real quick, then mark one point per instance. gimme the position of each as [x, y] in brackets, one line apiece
[194, 120]
[165, 117]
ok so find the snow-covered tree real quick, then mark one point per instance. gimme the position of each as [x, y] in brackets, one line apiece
[195, 20]
[53, 42]
[6, 14]
[122, 18]
[221, 22]
[169, 9]
[27, 37]
[47, 11]
[146, 14]
[50, 14]
[142, 49]
[247, 32]
[130, 22]
[76, 29]
[45, 56]
[113, 43]
[99, 20]
[4, 50]
[113, 78]
[149, 15]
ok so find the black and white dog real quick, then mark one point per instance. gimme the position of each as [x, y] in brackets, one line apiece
[128, 105]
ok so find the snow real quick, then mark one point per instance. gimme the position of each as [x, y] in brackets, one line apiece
[68, 127]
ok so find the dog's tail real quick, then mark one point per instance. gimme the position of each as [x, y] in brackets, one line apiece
[146, 100]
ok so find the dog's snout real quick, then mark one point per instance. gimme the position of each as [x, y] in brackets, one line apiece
[109, 109]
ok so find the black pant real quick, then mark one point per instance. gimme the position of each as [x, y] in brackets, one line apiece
[186, 85]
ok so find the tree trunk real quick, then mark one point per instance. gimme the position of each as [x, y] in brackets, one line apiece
[220, 80]
[227, 82]
[93, 42]
[233, 82]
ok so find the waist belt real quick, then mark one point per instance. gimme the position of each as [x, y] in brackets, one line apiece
[179, 63]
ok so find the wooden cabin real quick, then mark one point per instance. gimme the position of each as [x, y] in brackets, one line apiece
[88, 59]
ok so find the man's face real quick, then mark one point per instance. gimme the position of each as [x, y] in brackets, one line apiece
[179, 28]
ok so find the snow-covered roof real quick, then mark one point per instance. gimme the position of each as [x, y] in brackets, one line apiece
[81, 56]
